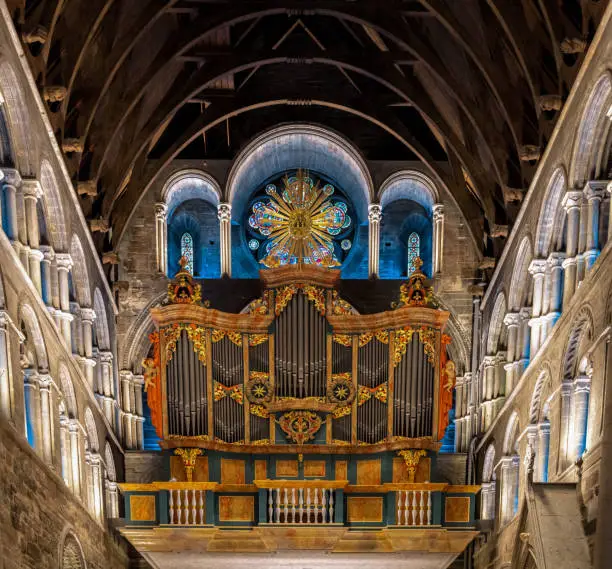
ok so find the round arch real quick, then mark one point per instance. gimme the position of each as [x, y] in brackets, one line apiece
[80, 276]
[535, 407]
[306, 146]
[592, 131]
[496, 323]
[409, 185]
[101, 321]
[511, 434]
[488, 468]
[54, 211]
[550, 218]
[33, 328]
[92, 431]
[190, 184]
[519, 283]
[67, 388]
[109, 462]
[71, 552]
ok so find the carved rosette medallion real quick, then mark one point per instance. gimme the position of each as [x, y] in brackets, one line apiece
[258, 388]
[340, 389]
[300, 426]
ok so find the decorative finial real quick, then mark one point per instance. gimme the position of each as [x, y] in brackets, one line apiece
[418, 263]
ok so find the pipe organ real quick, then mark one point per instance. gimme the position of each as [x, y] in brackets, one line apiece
[299, 369]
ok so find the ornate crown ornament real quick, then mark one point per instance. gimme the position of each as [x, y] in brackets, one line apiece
[415, 292]
[182, 289]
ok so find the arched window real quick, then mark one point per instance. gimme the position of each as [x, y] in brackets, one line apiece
[414, 251]
[187, 251]
[72, 554]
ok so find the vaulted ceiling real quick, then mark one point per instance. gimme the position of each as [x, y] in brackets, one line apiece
[471, 88]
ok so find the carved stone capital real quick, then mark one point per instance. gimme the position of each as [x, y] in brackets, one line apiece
[99, 225]
[87, 188]
[31, 188]
[224, 212]
[12, 177]
[513, 194]
[538, 267]
[374, 213]
[497, 230]
[512, 319]
[529, 152]
[88, 315]
[555, 259]
[110, 258]
[106, 357]
[572, 200]
[161, 210]
[54, 93]
[573, 45]
[64, 261]
[550, 102]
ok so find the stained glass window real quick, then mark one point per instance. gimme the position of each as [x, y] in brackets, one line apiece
[187, 251]
[414, 251]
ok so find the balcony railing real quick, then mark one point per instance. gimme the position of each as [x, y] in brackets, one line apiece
[300, 503]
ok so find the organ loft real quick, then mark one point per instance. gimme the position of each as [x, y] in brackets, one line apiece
[305, 284]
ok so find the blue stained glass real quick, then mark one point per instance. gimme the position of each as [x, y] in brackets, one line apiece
[187, 251]
[253, 244]
[414, 251]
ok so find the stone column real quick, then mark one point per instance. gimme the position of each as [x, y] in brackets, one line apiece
[161, 237]
[96, 479]
[75, 455]
[565, 394]
[500, 383]
[64, 264]
[580, 416]
[555, 264]
[12, 180]
[537, 268]
[44, 386]
[5, 384]
[45, 270]
[509, 477]
[224, 213]
[32, 191]
[438, 237]
[571, 203]
[34, 263]
[512, 321]
[374, 219]
[126, 380]
[609, 190]
[65, 456]
[489, 363]
[106, 375]
[112, 499]
[543, 451]
[594, 194]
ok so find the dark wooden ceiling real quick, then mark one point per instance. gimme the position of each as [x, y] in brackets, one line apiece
[467, 83]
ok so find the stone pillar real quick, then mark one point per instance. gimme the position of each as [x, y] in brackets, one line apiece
[32, 191]
[34, 263]
[565, 393]
[126, 381]
[5, 384]
[65, 457]
[580, 416]
[609, 190]
[512, 321]
[96, 480]
[106, 376]
[509, 479]
[44, 386]
[224, 213]
[11, 181]
[500, 382]
[489, 363]
[594, 194]
[555, 264]
[45, 271]
[75, 455]
[374, 219]
[438, 238]
[161, 237]
[64, 264]
[543, 447]
[571, 202]
[112, 500]
[525, 335]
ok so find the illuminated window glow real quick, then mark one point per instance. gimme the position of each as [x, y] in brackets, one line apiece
[187, 251]
[414, 251]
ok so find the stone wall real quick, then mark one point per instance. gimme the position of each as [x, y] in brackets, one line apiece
[37, 510]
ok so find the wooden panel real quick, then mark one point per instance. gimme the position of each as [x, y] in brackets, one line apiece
[287, 468]
[400, 471]
[232, 471]
[341, 470]
[365, 509]
[457, 509]
[142, 508]
[314, 468]
[200, 472]
[368, 472]
[261, 470]
[236, 508]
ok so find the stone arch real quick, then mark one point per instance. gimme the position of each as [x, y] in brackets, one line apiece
[190, 184]
[583, 328]
[496, 323]
[54, 211]
[536, 405]
[80, 276]
[101, 322]
[109, 461]
[511, 434]
[23, 143]
[32, 325]
[551, 214]
[592, 131]
[71, 552]
[67, 388]
[488, 469]
[293, 146]
[92, 431]
[409, 185]
[519, 283]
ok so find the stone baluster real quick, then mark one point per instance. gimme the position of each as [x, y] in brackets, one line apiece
[11, 181]
[594, 194]
[224, 214]
[572, 203]
[161, 237]
[374, 219]
[438, 237]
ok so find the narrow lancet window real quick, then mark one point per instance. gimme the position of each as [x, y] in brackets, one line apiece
[187, 251]
[414, 251]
